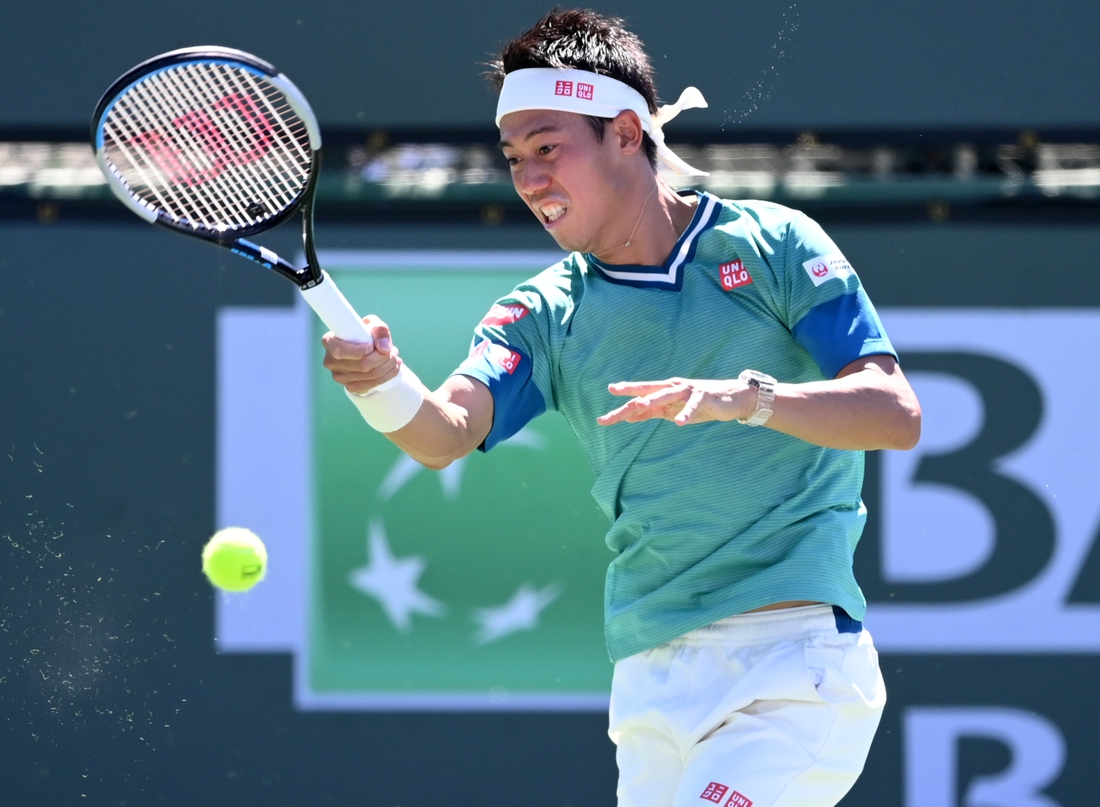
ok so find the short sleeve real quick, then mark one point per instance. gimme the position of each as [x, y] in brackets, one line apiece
[508, 343]
[829, 313]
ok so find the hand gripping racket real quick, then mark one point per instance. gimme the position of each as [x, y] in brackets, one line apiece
[216, 143]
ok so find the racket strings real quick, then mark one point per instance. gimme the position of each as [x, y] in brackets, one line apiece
[288, 159]
[228, 192]
[161, 163]
[175, 163]
[223, 183]
[211, 144]
[232, 187]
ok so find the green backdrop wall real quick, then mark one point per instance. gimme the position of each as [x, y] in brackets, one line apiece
[114, 691]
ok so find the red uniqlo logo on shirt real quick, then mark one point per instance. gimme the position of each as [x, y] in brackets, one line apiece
[563, 87]
[714, 792]
[737, 800]
[498, 354]
[734, 275]
[505, 314]
[584, 91]
[508, 359]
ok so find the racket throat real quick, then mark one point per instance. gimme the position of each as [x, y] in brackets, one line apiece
[303, 278]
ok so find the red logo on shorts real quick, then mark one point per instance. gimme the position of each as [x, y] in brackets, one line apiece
[584, 91]
[714, 792]
[564, 87]
[734, 275]
[737, 800]
[505, 314]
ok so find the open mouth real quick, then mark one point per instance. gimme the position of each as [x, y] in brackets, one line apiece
[551, 212]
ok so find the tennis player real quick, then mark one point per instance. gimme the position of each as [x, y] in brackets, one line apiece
[724, 370]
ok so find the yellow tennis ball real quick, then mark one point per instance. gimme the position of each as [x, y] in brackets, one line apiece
[234, 559]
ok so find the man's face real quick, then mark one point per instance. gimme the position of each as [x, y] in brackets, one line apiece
[568, 178]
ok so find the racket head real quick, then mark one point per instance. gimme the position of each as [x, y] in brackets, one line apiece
[212, 142]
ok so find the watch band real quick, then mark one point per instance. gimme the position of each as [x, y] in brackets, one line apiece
[765, 396]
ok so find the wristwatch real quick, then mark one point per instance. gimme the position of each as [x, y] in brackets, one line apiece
[765, 397]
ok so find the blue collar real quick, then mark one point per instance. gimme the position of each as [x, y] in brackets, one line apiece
[668, 276]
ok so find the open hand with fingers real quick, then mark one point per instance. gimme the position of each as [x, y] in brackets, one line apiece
[362, 366]
[681, 400]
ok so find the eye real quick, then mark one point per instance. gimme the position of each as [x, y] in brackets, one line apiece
[512, 161]
[544, 150]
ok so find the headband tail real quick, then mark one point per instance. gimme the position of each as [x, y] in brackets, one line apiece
[690, 98]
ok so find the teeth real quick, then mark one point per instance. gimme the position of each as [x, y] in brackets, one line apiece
[553, 212]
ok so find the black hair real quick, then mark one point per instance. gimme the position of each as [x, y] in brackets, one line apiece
[582, 39]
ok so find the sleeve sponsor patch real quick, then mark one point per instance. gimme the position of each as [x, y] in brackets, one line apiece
[826, 267]
[498, 355]
[505, 314]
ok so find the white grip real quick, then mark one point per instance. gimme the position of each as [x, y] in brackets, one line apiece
[336, 312]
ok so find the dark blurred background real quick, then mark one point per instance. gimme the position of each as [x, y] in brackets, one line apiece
[952, 149]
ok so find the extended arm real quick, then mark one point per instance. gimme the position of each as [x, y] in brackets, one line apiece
[451, 422]
[869, 405]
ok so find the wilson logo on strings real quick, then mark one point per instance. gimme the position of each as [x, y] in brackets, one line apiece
[200, 151]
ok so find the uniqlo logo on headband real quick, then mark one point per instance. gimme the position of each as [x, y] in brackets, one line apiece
[584, 91]
[734, 275]
[737, 800]
[563, 87]
[714, 792]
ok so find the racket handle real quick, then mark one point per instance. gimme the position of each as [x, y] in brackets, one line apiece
[336, 312]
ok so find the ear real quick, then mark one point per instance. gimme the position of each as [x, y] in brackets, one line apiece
[628, 131]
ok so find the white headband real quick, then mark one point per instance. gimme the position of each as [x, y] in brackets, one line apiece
[588, 93]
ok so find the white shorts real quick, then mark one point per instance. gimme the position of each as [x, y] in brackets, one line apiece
[771, 709]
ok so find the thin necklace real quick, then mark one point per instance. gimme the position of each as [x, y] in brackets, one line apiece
[630, 240]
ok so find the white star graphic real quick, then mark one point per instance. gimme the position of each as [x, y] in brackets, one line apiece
[450, 478]
[393, 581]
[405, 468]
[519, 613]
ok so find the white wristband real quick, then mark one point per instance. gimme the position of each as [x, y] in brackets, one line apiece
[393, 405]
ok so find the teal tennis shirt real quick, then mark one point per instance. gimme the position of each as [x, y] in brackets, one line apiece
[714, 519]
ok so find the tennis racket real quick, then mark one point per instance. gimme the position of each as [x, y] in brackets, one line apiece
[217, 144]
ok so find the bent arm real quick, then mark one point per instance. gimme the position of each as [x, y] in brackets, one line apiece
[451, 423]
[868, 406]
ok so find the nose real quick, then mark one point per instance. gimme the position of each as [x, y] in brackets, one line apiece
[530, 178]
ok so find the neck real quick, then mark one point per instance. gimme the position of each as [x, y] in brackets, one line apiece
[661, 219]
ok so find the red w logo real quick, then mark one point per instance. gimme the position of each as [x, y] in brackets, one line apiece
[200, 150]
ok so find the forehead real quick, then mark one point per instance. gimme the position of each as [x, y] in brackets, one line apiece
[517, 127]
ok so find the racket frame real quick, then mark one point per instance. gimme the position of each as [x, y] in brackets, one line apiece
[306, 277]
